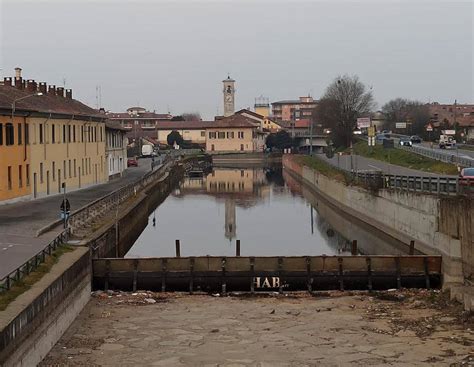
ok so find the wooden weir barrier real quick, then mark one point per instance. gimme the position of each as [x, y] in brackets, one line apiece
[253, 274]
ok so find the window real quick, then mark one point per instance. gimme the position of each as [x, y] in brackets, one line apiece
[9, 177]
[1, 134]
[74, 133]
[64, 133]
[64, 169]
[82, 133]
[27, 175]
[74, 168]
[20, 176]
[101, 137]
[54, 171]
[212, 147]
[212, 134]
[203, 133]
[27, 134]
[221, 135]
[241, 134]
[230, 135]
[70, 170]
[41, 172]
[69, 133]
[10, 134]
[41, 133]
[53, 134]
[19, 134]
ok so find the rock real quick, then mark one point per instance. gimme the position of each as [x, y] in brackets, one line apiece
[149, 300]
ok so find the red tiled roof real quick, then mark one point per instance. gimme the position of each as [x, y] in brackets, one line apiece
[235, 121]
[141, 115]
[244, 110]
[179, 125]
[114, 125]
[44, 104]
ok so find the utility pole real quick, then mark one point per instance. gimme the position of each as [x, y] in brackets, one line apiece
[311, 137]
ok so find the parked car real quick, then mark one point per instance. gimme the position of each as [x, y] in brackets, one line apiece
[405, 142]
[415, 139]
[466, 177]
[132, 162]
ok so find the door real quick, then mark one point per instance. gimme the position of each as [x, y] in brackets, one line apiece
[47, 182]
[59, 180]
[35, 187]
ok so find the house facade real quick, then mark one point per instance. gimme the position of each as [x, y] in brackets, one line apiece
[47, 139]
[288, 110]
[193, 131]
[115, 149]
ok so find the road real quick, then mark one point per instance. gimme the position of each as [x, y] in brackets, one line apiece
[360, 163]
[19, 222]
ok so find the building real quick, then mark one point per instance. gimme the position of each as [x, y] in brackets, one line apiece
[236, 133]
[448, 113]
[47, 139]
[115, 149]
[288, 110]
[266, 123]
[229, 96]
[262, 106]
[139, 122]
[192, 131]
[466, 124]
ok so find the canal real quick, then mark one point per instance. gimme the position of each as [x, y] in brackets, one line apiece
[269, 211]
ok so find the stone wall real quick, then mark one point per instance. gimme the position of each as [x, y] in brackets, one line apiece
[406, 216]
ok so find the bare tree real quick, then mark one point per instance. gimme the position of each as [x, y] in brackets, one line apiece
[191, 116]
[406, 110]
[345, 99]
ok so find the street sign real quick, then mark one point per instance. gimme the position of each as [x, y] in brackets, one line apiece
[449, 132]
[363, 122]
[429, 127]
[371, 131]
[400, 125]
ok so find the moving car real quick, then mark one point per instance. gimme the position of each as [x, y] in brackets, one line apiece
[132, 162]
[415, 139]
[466, 177]
[405, 142]
[447, 142]
[147, 150]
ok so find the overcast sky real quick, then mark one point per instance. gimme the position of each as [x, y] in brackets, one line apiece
[174, 55]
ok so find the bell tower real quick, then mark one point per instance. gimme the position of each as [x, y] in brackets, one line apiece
[229, 96]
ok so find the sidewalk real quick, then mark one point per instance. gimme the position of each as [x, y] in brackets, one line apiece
[19, 222]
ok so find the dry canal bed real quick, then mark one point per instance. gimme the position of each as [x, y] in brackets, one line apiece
[397, 328]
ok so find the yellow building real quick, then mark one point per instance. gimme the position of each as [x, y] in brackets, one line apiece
[56, 140]
[266, 124]
[192, 131]
[236, 133]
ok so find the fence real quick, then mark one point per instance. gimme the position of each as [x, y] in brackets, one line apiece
[439, 156]
[26, 268]
[422, 184]
[83, 217]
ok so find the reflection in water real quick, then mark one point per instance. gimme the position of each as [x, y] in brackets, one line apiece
[258, 206]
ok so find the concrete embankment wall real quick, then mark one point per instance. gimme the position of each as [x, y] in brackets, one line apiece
[35, 320]
[427, 219]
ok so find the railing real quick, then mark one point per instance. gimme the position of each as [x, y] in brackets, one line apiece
[26, 268]
[422, 184]
[439, 156]
[84, 216]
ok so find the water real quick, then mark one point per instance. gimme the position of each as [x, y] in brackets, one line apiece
[270, 214]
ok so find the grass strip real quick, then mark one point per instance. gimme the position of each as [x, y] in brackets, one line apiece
[324, 168]
[404, 158]
[27, 281]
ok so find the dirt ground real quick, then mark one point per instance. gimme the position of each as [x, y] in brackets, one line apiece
[396, 328]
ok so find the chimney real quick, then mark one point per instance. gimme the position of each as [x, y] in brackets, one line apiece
[60, 91]
[18, 79]
[17, 73]
[52, 90]
[31, 85]
[7, 81]
[42, 87]
[69, 93]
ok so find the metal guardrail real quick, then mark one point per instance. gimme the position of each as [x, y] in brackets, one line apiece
[84, 216]
[422, 184]
[31, 264]
[439, 156]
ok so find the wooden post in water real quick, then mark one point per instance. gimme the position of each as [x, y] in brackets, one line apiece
[237, 248]
[178, 250]
[354, 248]
[412, 247]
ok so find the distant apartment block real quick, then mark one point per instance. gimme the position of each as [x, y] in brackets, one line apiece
[449, 112]
[139, 122]
[288, 110]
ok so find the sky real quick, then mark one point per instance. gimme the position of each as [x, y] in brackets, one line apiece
[171, 56]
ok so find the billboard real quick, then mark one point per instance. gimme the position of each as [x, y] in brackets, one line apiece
[400, 125]
[363, 122]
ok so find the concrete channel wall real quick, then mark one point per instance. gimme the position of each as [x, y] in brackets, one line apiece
[35, 320]
[439, 225]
